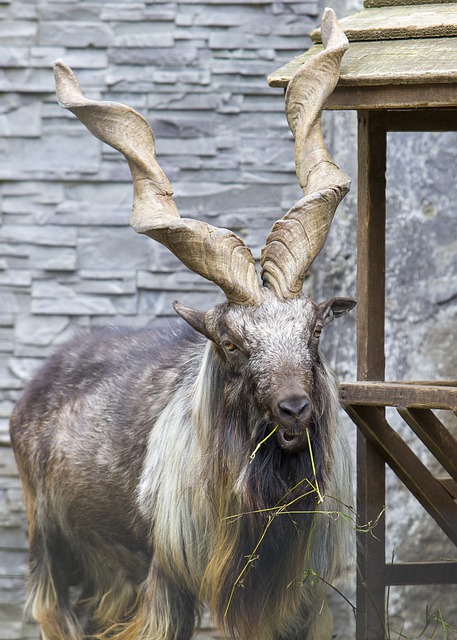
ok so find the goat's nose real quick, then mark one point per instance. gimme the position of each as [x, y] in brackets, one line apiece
[295, 406]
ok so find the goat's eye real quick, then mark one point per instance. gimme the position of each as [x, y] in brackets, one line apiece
[317, 331]
[229, 346]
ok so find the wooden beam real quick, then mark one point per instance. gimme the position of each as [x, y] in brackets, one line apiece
[450, 485]
[431, 383]
[371, 492]
[401, 96]
[371, 580]
[371, 245]
[397, 394]
[421, 573]
[422, 120]
[388, 3]
[434, 435]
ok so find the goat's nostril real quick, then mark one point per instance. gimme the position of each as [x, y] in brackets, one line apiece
[294, 406]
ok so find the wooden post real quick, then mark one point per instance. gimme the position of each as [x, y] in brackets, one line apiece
[371, 493]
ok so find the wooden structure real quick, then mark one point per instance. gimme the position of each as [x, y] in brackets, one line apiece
[400, 74]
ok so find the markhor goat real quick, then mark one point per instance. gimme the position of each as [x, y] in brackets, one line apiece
[166, 469]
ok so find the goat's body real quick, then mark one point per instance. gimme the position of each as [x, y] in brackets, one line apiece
[132, 483]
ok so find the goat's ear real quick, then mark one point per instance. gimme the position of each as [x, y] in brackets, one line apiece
[196, 319]
[335, 308]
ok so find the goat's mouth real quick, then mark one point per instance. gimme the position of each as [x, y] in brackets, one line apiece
[292, 440]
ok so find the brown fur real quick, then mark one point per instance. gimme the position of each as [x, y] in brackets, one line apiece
[143, 498]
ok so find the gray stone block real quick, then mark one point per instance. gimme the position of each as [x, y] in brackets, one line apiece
[76, 305]
[14, 56]
[39, 257]
[186, 102]
[44, 192]
[85, 214]
[22, 278]
[51, 236]
[182, 126]
[162, 58]
[310, 8]
[14, 301]
[76, 34]
[113, 249]
[177, 281]
[7, 319]
[51, 156]
[26, 80]
[132, 12]
[85, 12]
[188, 147]
[112, 286]
[145, 39]
[161, 304]
[45, 56]
[40, 330]
[294, 28]
[17, 32]
[241, 67]
[85, 58]
[6, 347]
[22, 120]
[19, 10]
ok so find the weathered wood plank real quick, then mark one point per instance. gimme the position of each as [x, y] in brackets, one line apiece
[389, 3]
[389, 62]
[407, 573]
[407, 96]
[431, 383]
[423, 119]
[371, 250]
[450, 485]
[434, 435]
[411, 471]
[399, 22]
[371, 582]
[371, 491]
[398, 394]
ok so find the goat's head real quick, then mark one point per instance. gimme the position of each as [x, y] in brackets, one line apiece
[273, 350]
[276, 351]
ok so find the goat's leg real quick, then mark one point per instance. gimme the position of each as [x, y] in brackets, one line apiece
[321, 624]
[48, 591]
[312, 623]
[164, 611]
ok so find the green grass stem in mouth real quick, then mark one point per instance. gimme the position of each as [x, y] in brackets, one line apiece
[252, 456]
[318, 491]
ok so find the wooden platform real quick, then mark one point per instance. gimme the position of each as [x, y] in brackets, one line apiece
[399, 22]
[386, 62]
[399, 57]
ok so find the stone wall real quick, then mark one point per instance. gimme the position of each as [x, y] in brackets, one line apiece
[68, 260]
[196, 70]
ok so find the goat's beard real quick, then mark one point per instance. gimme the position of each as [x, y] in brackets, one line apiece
[274, 477]
[266, 506]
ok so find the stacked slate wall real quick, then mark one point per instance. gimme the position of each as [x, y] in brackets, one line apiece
[68, 261]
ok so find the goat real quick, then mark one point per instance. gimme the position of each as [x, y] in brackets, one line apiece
[163, 469]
